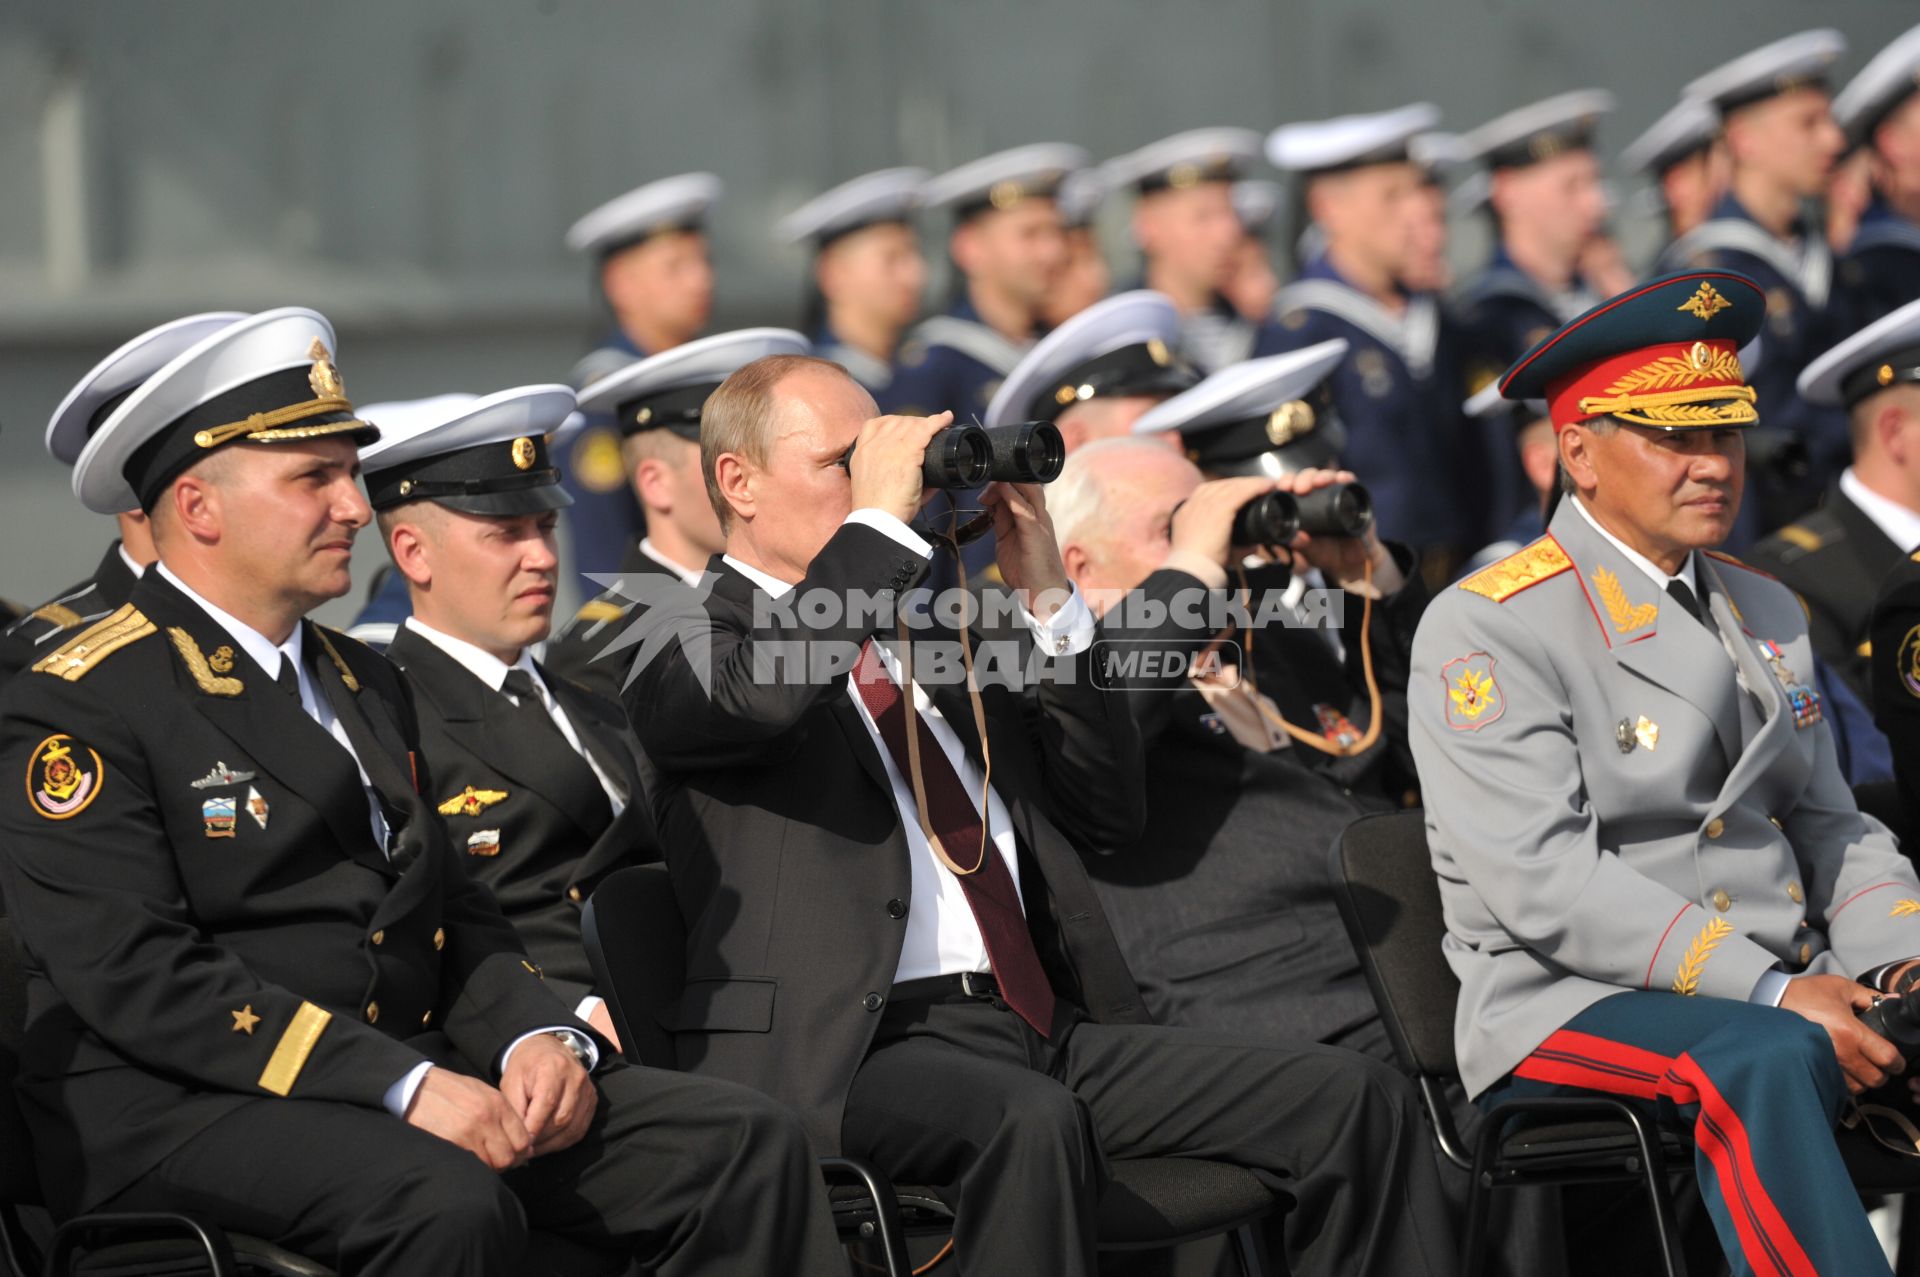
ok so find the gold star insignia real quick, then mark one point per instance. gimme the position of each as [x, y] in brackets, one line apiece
[244, 1019]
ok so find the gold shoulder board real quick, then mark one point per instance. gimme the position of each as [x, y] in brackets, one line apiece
[95, 644]
[1530, 566]
[596, 610]
[58, 615]
[1805, 538]
[346, 675]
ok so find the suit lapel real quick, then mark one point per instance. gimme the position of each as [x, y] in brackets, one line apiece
[484, 723]
[1648, 633]
[1777, 730]
[602, 729]
[247, 706]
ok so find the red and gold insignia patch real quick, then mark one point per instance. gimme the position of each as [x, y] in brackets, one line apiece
[63, 777]
[1473, 698]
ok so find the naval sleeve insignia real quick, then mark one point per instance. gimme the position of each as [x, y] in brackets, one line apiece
[1473, 698]
[63, 777]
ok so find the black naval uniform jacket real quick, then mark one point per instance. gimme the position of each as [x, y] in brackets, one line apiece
[529, 819]
[788, 854]
[575, 652]
[1894, 631]
[1833, 557]
[1224, 907]
[27, 639]
[204, 915]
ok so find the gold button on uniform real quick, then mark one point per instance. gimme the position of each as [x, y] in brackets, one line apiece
[1722, 901]
[373, 1013]
[1806, 954]
[1716, 827]
[1794, 893]
[1775, 822]
[573, 894]
[439, 937]
[378, 937]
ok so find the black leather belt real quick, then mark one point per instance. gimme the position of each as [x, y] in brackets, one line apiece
[968, 986]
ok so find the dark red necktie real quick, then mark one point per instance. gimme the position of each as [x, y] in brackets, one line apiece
[950, 810]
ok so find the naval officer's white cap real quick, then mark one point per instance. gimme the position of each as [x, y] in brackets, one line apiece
[670, 204]
[1883, 84]
[1350, 141]
[1798, 61]
[890, 195]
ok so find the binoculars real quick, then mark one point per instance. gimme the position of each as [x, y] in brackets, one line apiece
[1272, 518]
[963, 457]
[1897, 1019]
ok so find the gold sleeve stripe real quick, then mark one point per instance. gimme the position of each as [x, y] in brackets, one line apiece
[96, 643]
[295, 1045]
[346, 675]
[58, 614]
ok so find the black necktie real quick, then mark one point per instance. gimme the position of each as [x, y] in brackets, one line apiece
[1684, 597]
[288, 678]
[532, 709]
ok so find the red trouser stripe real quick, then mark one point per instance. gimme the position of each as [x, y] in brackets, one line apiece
[1571, 1058]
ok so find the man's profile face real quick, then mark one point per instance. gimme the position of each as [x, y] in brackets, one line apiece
[1694, 185]
[663, 283]
[492, 576]
[1371, 211]
[1557, 201]
[671, 489]
[1791, 137]
[286, 515]
[1019, 250]
[1666, 491]
[878, 270]
[1082, 281]
[1134, 533]
[1191, 233]
[802, 494]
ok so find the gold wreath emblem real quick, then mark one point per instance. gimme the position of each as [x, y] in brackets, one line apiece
[1706, 302]
[1626, 617]
[1693, 963]
[523, 453]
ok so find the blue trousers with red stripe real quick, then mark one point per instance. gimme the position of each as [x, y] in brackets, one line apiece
[1761, 1092]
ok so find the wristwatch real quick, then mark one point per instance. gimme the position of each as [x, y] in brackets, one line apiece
[576, 1043]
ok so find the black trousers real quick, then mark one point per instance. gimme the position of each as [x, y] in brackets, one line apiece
[688, 1175]
[1014, 1131]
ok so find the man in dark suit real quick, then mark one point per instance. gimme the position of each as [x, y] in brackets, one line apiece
[535, 775]
[247, 936]
[1835, 557]
[889, 924]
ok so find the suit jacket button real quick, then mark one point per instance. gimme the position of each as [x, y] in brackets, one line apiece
[439, 937]
[373, 1013]
[573, 894]
[1716, 827]
[873, 1002]
[378, 937]
[1722, 901]
[1794, 893]
[896, 908]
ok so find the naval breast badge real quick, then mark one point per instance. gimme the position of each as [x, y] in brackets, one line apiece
[63, 777]
[221, 774]
[1473, 698]
[471, 801]
[483, 842]
[220, 815]
[256, 807]
[1802, 698]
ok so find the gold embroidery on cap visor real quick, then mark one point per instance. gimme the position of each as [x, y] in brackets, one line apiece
[1703, 389]
[330, 395]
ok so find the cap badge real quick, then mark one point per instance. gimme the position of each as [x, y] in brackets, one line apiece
[1005, 195]
[221, 662]
[1885, 375]
[523, 453]
[1706, 302]
[1181, 176]
[1288, 422]
[1158, 352]
[323, 376]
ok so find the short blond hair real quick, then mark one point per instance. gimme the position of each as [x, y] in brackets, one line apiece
[738, 418]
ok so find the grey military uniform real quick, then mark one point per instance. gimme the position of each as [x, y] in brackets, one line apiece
[1620, 798]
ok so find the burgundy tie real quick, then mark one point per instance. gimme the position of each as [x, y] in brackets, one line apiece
[950, 810]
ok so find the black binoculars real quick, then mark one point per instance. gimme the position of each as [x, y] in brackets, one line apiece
[963, 457]
[1897, 1019]
[1272, 518]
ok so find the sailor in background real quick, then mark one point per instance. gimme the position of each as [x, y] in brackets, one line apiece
[1684, 156]
[1085, 279]
[652, 272]
[1879, 111]
[867, 272]
[1251, 284]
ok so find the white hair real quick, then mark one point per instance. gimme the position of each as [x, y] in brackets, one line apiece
[1077, 499]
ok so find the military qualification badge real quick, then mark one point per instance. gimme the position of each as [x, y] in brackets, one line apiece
[1473, 698]
[1804, 700]
[60, 782]
[220, 815]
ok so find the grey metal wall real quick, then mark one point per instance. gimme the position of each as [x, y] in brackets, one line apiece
[409, 168]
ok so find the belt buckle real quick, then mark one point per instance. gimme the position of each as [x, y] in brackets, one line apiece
[968, 987]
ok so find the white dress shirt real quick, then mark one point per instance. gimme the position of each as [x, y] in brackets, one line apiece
[268, 655]
[943, 937]
[1901, 525]
[136, 568]
[690, 575]
[1772, 985]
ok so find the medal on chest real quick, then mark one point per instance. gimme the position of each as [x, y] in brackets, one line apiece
[1804, 701]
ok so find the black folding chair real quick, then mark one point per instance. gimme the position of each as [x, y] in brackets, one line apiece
[636, 942]
[1390, 902]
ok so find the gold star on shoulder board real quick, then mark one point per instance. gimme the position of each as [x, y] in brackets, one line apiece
[244, 1019]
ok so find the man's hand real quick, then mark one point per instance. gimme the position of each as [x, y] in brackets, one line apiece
[1025, 547]
[1342, 560]
[468, 1112]
[1831, 1001]
[887, 463]
[602, 1023]
[1203, 524]
[549, 1091]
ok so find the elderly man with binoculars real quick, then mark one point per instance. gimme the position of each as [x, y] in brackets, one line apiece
[889, 921]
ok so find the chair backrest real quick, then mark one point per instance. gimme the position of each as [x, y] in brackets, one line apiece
[19, 1180]
[1390, 901]
[637, 945]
